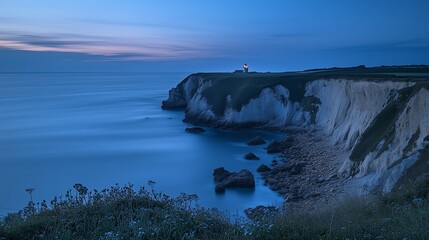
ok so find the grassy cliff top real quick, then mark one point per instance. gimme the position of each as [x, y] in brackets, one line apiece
[393, 73]
[245, 86]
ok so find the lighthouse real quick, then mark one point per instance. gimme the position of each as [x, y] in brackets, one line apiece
[246, 68]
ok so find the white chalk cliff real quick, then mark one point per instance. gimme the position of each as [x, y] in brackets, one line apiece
[384, 125]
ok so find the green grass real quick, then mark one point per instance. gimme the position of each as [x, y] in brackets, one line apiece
[245, 86]
[403, 214]
[393, 70]
[122, 213]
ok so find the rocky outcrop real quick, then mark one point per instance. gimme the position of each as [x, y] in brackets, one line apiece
[278, 146]
[226, 179]
[274, 147]
[263, 168]
[179, 96]
[251, 156]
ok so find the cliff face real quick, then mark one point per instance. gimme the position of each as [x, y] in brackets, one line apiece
[381, 121]
[180, 96]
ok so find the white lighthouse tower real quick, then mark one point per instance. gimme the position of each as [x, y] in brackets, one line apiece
[246, 68]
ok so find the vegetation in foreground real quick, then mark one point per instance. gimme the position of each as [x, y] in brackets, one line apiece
[118, 213]
[123, 213]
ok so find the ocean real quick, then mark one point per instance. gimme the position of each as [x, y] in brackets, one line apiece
[102, 129]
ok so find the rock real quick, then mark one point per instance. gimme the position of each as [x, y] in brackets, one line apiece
[242, 179]
[220, 188]
[274, 147]
[176, 99]
[195, 130]
[297, 168]
[220, 174]
[283, 191]
[312, 195]
[270, 180]
[286, 144]
[332, 176]
[261, 212]
[263, 168]
[256, 141]
[251, 156]
[292, 197]
[320, 180]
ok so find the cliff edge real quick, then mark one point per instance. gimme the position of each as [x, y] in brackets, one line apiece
[378, 116]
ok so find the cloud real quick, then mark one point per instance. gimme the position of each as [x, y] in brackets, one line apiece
[46, 41]
[111, 48]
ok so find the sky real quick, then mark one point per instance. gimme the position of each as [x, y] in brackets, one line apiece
[202, 35]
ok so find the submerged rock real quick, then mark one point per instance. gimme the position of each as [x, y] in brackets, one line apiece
[256, 141]
[226, 179]
[251, 156]
[195, 130]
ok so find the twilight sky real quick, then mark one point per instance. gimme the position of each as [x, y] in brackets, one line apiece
[199, 35]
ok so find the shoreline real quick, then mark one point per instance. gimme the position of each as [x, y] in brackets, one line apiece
[317, 184]
[307, 173]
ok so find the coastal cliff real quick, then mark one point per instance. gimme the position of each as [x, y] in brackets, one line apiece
[378, 116]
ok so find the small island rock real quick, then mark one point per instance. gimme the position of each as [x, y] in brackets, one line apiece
[251, 156]
[220, 174]
[263, 168]
[226, 179]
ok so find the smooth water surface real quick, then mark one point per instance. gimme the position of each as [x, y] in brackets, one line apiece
[99, 129]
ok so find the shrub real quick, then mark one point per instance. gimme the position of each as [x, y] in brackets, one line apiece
[119, 213]
[122, 213]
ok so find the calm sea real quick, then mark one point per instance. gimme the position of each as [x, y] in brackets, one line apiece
[99, 129]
